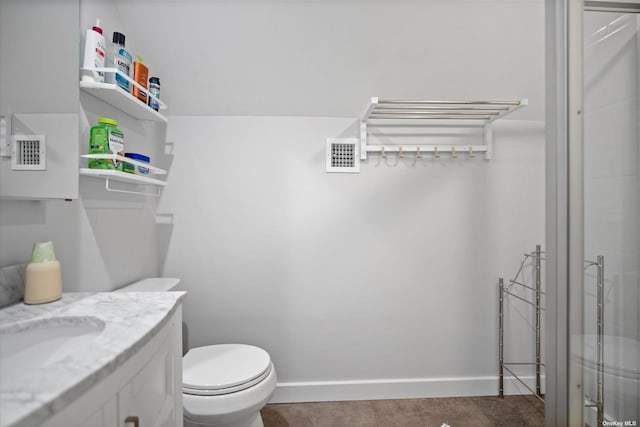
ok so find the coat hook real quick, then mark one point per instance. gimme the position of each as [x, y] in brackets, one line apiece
[436, 155]
[418, 154]
[382, 152]
[453, 152]
[471, 153]
[400, 152]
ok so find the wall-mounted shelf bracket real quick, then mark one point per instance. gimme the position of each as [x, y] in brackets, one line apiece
[420, 115]
[487, 133]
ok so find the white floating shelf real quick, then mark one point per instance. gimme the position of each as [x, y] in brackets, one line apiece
[152, 169]
[112, 94]
[424, 114]
[121, 176]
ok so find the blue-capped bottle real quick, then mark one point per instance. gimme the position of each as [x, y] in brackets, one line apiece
[154, 89]
[118, 57]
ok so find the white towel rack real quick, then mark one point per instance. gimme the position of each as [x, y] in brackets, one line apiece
[422, 114]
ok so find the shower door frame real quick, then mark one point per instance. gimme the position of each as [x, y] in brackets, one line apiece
[564, 193]
[564, 201]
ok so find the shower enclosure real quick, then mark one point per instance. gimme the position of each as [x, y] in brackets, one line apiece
[611, 216]
[593, 212]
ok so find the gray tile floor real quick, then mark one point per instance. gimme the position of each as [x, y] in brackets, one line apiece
[512, 411]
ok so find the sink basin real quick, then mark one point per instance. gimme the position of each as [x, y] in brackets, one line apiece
[27, 346]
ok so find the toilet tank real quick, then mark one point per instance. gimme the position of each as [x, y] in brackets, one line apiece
[153, 284]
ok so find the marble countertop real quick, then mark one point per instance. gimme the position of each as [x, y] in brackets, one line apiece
[131, 319]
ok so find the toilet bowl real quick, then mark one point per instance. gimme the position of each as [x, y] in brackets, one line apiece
[223, 385]
[226, 385]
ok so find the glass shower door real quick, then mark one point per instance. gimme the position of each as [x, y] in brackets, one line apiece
[611, 340]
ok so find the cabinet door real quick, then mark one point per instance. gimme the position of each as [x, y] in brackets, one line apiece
[148, 387]
[106, 416]
[149, 396]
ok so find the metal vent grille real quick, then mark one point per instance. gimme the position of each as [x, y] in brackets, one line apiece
[343, 155]
[28, 152]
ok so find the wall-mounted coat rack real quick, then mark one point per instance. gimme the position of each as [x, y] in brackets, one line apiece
[423, 114]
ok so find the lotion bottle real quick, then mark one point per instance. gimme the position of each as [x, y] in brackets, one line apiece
[42, 278]
[94, 54]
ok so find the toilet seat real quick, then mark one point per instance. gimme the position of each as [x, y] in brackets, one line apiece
[223, 369]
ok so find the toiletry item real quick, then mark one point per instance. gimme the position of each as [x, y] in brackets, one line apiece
[106, 138]
[140, 75]
[94, 54]
[138, 170]
[118, 57]
[42, 278]
[154, 89]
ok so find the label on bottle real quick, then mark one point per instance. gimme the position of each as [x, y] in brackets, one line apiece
[116, 145]
[98, 60]
[123, 65]
[140, 75]
[155, 91]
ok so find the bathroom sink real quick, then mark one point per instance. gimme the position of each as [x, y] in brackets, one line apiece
[26, 347]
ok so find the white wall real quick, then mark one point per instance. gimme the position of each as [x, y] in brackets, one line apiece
[327, 58]
[390, 274]
[387, 274]
[612, 194]
[103, 240]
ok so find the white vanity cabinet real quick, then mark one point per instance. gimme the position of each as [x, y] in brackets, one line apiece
[149, 397]
[146, 391]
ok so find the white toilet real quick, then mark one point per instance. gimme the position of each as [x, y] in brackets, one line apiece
[223, 385]
[226, 385]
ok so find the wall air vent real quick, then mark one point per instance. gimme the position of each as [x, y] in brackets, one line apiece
[343, 155]
[28, 152]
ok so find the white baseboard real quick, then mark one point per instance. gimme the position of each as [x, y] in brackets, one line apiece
[323, 391]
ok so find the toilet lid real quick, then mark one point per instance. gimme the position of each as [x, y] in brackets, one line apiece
[224, 368]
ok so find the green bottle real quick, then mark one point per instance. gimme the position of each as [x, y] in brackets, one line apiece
[106, 138]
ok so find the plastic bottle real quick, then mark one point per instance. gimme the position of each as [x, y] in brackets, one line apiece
[140, 75]
[118, 57]
[131, 168]
[106, 138]
[42, 278]
[154, 89]
[94, 54]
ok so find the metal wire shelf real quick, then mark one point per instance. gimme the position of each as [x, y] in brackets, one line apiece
[505, 292]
